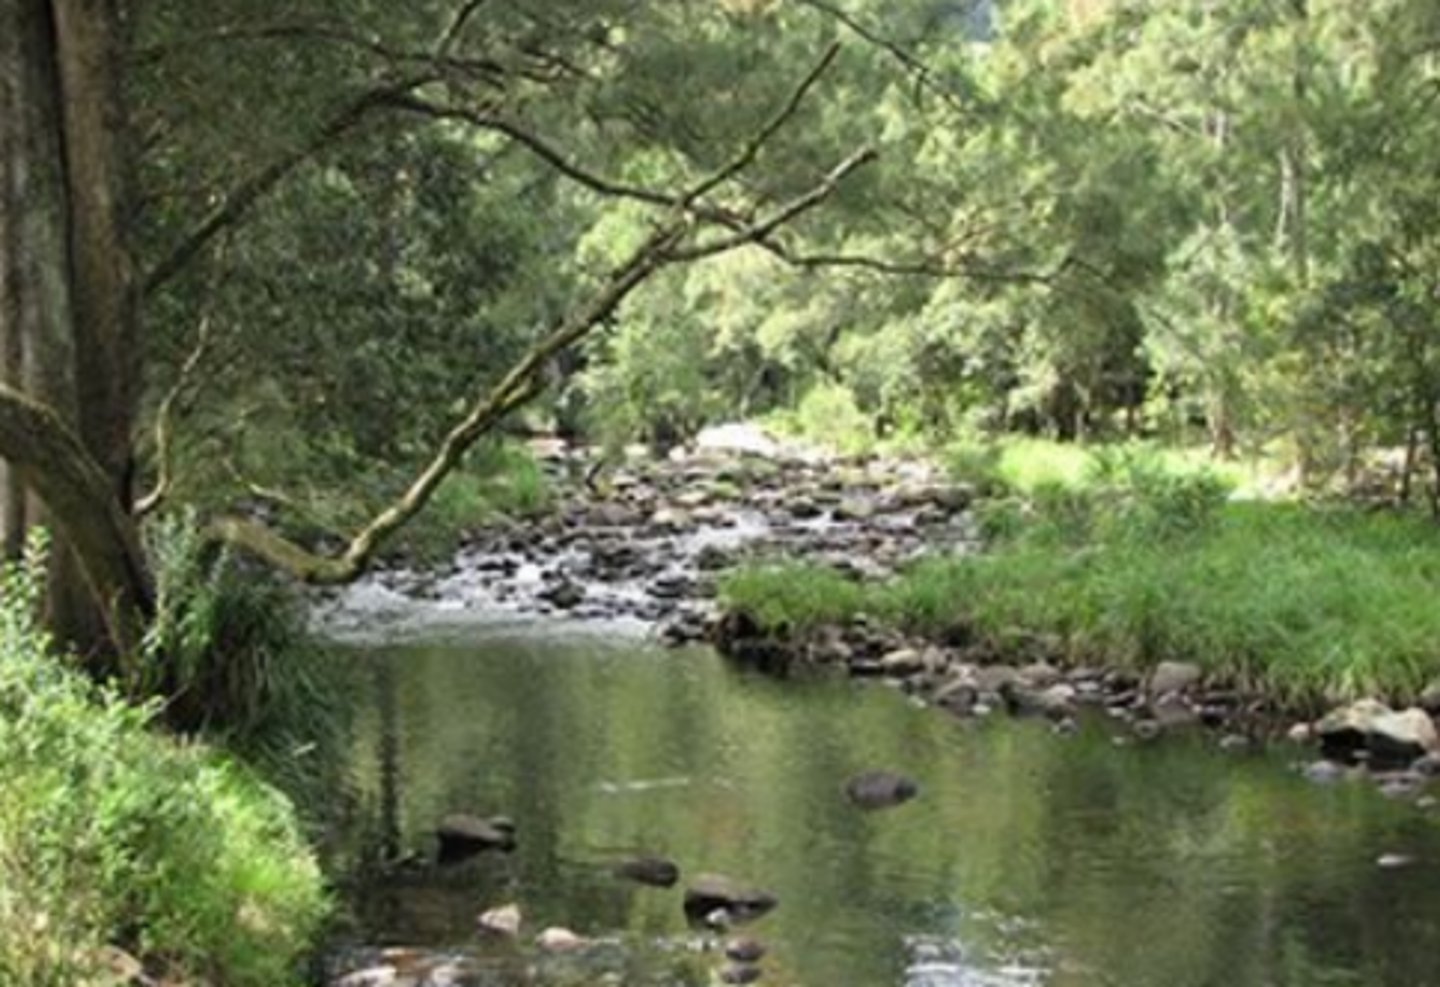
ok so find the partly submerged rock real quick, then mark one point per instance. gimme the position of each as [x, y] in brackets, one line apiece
[501, 921]
[1370, 729]
[711, 893]
[880, 789]
[462, 835]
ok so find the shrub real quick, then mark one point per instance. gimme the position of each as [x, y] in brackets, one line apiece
[115, 836]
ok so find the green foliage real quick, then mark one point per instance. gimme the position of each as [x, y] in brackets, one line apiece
[230, 651]
[792, 596]
[1310, 605]
[828, 415]
[114, 835]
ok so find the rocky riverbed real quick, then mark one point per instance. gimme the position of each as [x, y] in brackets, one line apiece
[645, 542]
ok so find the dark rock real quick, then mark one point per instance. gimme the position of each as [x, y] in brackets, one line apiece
[565, 595]
[880, 789]
[713, 557]
[740, 973]
[711, 893]
[654, 871]
[463, 835]
[803, 508]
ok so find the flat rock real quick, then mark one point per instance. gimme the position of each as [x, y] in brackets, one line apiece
[1174, 676]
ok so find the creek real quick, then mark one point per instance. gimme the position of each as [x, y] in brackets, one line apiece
[1028, 857]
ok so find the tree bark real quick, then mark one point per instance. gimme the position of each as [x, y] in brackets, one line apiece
[78, 493]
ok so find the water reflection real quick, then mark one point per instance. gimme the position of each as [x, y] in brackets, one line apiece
[1028, 859]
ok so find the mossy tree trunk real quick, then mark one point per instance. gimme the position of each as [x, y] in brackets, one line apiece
[69, 327]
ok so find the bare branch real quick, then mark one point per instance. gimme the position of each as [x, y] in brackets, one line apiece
[923, 74]
[238, 203]
[537, 145]
[921, 267]
[757, 232]
[164, 422]
[752, 147]
[456, 27]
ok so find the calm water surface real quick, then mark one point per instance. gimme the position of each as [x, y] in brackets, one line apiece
[1028, 859]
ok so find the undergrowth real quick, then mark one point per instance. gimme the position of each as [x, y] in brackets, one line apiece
[114, 836]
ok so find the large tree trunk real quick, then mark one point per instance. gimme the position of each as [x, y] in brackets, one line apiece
[68, 325]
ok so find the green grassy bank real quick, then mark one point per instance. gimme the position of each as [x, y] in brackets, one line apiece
[116, 837]
[1144, 564]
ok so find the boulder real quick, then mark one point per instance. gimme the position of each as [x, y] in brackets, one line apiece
[654, 871]
[1369, 729]
[463, 835]
[711, 893]
[1174, 676]
[880, 789]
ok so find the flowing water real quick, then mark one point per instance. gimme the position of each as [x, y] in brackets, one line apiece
[1028, 858]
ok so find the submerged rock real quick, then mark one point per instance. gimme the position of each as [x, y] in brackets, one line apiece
[880, 789]
[711, 893]
[740, 973]
[744, 949]
[654, 871]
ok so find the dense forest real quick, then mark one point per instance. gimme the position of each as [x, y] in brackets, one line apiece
[283, 284]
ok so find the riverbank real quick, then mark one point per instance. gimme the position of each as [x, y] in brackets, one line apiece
[128, 855]
[1155, 599]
